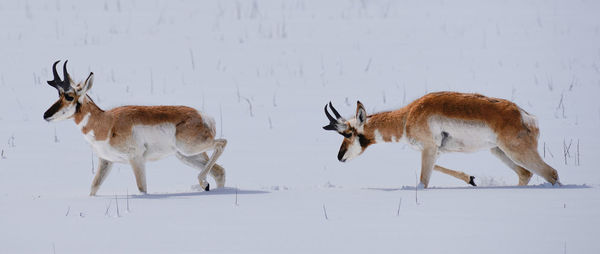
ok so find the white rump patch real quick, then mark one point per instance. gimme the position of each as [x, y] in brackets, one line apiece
[208, 122]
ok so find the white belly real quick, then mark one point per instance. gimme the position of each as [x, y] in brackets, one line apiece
[158, 141]
[454, 135]
[153, 142]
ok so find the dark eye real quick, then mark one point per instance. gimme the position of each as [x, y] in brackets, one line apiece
[68, 97]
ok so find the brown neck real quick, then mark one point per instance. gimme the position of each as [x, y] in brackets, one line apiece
[97, 121]
[87, 107]
[389, 126]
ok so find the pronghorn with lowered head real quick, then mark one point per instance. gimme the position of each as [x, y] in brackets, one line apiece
[449, 122]
[136, 134]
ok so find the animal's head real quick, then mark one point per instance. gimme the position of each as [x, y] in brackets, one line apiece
[355, 142]
[70, 95]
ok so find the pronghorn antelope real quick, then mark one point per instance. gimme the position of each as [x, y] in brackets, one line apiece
[449, 122]
[136, 134]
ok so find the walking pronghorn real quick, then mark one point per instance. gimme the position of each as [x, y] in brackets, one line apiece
[449, 122]
[136, 134]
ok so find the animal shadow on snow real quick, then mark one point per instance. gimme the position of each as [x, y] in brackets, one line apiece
[537, 186]
[220, 191]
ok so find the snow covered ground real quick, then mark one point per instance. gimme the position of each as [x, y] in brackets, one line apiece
[264, 70]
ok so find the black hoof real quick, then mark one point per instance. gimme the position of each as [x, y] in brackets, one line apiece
[471, 182]
[207, 187]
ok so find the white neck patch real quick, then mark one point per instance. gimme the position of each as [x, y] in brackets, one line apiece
[84, 121]
[378, 137]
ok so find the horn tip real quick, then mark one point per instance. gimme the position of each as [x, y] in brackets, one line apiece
[329, 128]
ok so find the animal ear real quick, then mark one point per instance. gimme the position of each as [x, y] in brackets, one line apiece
[361, 114]
[87, 84]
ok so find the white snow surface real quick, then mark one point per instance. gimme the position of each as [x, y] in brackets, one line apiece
[264, 70]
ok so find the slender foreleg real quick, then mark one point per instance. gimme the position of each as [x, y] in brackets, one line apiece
[530, 159]
[524, 174]
[104, 167]
[428, 157]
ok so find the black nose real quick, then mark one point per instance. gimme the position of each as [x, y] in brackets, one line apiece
[46, 116]
[341, 155]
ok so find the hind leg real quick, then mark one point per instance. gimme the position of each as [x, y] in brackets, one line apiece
[199, 162]
[138, 164]
[217, 172]
[218, 145]
[530, 159]
[524, 175]
[458, 174]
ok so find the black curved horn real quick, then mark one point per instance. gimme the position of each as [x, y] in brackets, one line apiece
[331, 119]
[55, 72]
[337, 115]
[333, 122]
[65, 73]
[57, 79]
[66, 83]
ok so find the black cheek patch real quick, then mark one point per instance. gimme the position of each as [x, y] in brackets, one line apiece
[364, 141]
